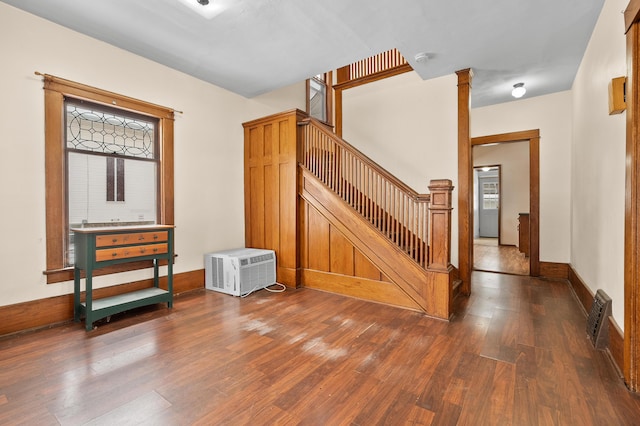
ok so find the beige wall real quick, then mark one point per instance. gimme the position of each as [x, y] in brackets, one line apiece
[598, 171]
[514, 191]
[409, 127]
[208, 146]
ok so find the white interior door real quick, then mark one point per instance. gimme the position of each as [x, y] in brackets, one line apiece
[489, 202]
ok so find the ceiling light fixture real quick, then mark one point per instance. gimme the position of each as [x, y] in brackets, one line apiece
[518, 90]
[421, 57]
[205, 8]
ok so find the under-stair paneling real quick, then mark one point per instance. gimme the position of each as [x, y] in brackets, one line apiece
[340, 253]
[362, 288]
[271, 206]
[318, 241]
[330, 262]
[429, 290]
[365, 269]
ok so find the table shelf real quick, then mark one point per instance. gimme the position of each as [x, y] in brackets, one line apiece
[100, 247]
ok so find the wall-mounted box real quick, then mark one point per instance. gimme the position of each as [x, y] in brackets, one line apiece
[617, 101]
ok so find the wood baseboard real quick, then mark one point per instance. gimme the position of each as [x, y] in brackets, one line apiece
[584, 294]
[615, 346]
[361, 288]
[554, 270]
[46, 312]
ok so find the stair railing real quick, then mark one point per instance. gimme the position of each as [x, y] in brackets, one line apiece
[395, 209]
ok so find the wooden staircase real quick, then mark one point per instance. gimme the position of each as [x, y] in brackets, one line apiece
[358, 230]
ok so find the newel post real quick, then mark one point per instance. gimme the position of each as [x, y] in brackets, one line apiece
[440, 225]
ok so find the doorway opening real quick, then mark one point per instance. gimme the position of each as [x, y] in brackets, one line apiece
[515, 249]
[490, 252]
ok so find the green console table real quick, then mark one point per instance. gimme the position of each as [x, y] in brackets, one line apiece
[100, 247]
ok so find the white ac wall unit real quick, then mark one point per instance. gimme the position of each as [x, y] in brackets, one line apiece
[240, 271]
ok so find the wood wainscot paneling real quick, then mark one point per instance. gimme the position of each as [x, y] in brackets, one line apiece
[271, 202]
[54, 310]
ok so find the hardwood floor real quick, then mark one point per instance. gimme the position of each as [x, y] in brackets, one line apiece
[513, 355]
[489, 256]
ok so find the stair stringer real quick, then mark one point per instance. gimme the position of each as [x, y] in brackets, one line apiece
[430, 290]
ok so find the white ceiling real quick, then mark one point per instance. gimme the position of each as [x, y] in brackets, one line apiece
[254, 46]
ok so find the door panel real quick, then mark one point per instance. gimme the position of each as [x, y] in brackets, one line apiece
[489, 202]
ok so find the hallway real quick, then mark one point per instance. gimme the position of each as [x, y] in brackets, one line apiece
[489, 256]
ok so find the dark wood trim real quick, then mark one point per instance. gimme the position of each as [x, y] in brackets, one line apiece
[361, 288]
[338, 105]
[465, 181]
[55, 90]
[631, 14]
[554, 270]
[631, 367]
[615, 348]
[55, 194]
[533, 136]
[105, 97]
[521, 136]
[401, 69]
[584, 294]
[46, 312]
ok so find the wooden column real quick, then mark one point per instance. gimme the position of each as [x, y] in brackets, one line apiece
[534, 204]
[632, 204]
[440, 225]
[465, 180]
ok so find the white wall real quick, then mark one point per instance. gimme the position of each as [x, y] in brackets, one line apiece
[551, 114]
[208, 146]
[598, 172]
[514, 193]
[409, 127]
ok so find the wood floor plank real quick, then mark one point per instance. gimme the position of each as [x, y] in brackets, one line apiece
[515, 353]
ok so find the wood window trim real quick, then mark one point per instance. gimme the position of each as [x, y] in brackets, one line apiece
[56, 89]
[328, 81]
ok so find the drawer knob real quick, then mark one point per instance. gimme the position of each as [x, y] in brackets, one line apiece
[115, 240]
[155, 237]
[141, 238]
[114, 254]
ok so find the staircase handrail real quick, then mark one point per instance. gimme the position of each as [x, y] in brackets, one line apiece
[322, 127]
[394, 208]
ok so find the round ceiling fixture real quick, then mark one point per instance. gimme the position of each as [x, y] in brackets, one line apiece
[203, 2]
[421, 57]
[518, 90]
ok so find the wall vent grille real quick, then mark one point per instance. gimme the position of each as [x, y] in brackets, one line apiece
[597, 325]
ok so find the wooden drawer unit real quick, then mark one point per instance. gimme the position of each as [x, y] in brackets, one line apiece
[132, 251]
[99, 247]
[134, 238]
